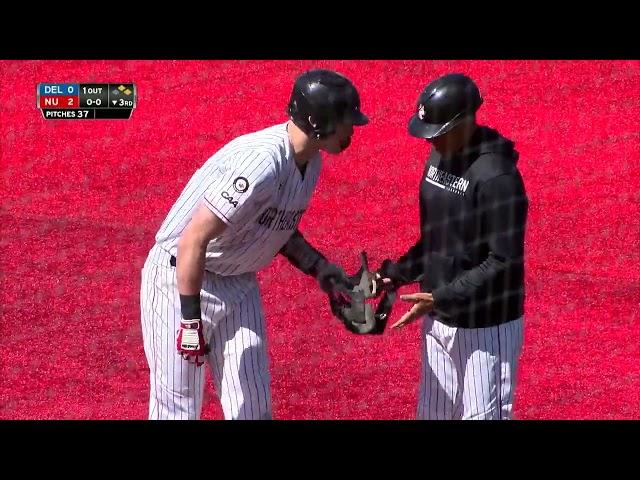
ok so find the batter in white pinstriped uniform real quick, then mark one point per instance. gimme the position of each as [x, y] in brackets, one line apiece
[200, 301]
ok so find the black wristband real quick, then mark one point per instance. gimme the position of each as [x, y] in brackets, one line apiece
[190, 307]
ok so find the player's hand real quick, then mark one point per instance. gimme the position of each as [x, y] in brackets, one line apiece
[423, 304]
[190, 342]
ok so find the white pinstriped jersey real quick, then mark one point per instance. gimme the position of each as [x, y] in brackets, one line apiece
[254, 186]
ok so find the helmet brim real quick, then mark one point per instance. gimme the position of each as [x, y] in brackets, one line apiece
[421, 129]
[358, 118]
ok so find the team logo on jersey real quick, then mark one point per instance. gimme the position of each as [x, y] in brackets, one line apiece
[229, 199]
[241, 184]
[447, 181]
[421, 112]
[278, 220]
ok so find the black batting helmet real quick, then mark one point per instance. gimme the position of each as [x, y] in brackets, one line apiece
[321, 99]
[443, 104]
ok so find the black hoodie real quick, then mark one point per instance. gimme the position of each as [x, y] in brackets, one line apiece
[470, 255]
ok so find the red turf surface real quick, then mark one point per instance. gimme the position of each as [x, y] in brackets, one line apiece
[83, 200]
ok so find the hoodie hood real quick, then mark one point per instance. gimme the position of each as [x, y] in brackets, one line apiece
[487, 140]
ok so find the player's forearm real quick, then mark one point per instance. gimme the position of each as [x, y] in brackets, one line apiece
[189, 273]
[302, 255]
[310, 261]
[190, 266]
[192, 247]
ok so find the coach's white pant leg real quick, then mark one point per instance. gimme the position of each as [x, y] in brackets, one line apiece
[176, 386]
[490, 358]
[239, 358]
[511, 338]
[439, 379]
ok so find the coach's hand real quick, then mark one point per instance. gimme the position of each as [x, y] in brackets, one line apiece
[385, 283]
[389, 273]
[423, 304]
[190, 342]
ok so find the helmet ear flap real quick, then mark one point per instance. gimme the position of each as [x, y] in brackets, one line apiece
[317, 130]
[314, 126]
[300, 111]
[318, 133]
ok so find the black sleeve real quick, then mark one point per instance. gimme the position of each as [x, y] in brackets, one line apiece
[408, 268]
[504, 213]
[302, 255]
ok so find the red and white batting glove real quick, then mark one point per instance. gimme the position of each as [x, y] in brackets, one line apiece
[190, 343]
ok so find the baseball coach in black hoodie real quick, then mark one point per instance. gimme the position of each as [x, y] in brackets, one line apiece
[469, 258]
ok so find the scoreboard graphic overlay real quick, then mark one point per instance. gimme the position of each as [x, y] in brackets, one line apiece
[80, 101]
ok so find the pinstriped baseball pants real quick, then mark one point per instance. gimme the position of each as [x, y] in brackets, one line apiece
[468, 373]
[233, 326]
